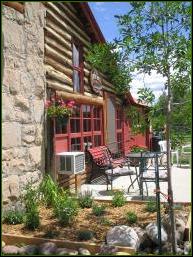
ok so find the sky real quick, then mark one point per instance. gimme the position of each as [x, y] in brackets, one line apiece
[104, 14]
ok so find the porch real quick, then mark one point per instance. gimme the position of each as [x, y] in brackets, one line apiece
[181, 184]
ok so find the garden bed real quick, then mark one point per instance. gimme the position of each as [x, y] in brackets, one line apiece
[86, 220]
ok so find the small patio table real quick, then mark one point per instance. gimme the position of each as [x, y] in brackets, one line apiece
[142, 158]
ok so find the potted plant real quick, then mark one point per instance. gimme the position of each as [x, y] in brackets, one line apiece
[137, 149]
[60, 109]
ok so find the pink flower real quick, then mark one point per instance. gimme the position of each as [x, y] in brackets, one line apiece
[70, 104]
[48, 103]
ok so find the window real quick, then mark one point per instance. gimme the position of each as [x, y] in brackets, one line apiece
[84, 128]
[77, 62]
[119, 120]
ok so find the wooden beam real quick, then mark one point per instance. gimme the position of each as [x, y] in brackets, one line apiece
[96, 100]
[15, 5]
[58, 86]
[53, 74]
[58, 66]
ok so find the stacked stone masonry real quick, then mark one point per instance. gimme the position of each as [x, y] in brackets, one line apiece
[23, 96]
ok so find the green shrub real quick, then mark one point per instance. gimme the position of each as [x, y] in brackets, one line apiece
[85, 199]
[48, 191]
[65, 209]
[32, 219]
[98, 210]
[13, 217]
[118, 199]
[131, 217]
[31, 202]
[151, 206]
[84, 235]
[106, 222]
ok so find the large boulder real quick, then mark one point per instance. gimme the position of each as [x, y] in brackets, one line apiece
[63, 251]
[10, 249]
[180, 227]
[152, 232]
[123, 236]
[144, 240]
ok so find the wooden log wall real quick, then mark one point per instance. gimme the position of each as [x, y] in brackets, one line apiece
[63, 23]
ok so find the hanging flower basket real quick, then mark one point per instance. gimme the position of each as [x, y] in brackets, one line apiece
[59, 109]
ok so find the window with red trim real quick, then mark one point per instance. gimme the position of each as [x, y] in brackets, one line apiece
[77, 62]
[84, 128]
[119, 131]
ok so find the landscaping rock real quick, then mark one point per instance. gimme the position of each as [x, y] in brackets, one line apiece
[3, 243]
[152, 232]
[180, 227]
[167, 247]
[144, 240]
[106, 248]
[48, 248]
[10, 249]
[84, 251]
[29, 249]
[62, 251]
[123, 236]
[122, 253]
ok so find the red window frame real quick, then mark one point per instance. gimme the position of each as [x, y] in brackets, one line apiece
[81, 134]
[119, 128]
[80, 68]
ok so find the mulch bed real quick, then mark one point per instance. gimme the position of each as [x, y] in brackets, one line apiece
[85, 220]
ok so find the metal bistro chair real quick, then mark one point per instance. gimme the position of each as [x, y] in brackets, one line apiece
[148, 168]
[163, 149]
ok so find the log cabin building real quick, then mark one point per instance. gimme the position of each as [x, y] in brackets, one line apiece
[44, 48]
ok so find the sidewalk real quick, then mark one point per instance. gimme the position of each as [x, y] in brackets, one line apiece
[181, 184]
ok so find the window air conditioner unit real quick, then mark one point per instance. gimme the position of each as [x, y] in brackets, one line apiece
[71, 162]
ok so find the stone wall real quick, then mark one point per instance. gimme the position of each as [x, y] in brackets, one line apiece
[23, 96]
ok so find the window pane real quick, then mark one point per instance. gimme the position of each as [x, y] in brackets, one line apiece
[86, 125]
[74, 125]
[86, 109]
[97, 140]
[76, 55]
[76, 111]
[96, 112]
[97, 125]
[76, 81]
[61, 127]
[87, 142]
[75, 144]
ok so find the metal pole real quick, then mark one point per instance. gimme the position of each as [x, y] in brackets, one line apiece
[170, 191]
[158, 202]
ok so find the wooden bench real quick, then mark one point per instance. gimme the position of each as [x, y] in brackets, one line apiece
[101, 157]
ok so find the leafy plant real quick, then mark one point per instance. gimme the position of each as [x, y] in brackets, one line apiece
[32, 219]
[106, 59]
[84, 235]
[131, 217]
[48, 190]
[85, 199]
[106, 222]
[65, 209]
[13, 217]
[57, 107]
[118, 199]
[138, 149]
[151, 206]
[31, 202]
[98, 210]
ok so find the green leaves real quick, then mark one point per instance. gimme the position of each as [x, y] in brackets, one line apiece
[107, 59]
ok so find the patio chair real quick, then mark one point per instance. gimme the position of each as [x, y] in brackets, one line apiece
[147, 170]
[163, 149]
[185, 153]
[101, 159]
